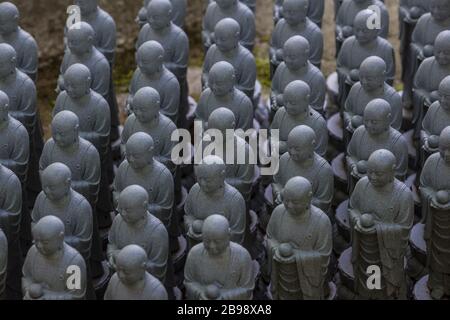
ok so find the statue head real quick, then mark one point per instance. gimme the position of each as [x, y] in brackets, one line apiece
[297, 195]
[48, 236]
[133, 204]
[139, 150]
[65, 126]
[372, 73]
[226, 4]
[210, 174]
[381, 168]
[150, 57]
[444, 93]
[227, 33]
[8, 60]
[216, 234]
[77, 81]
[146, 104]
[87, 7]
[440, 9]
[296, 97]
[222, 78]
[159, 14]
[442, 48]
[296, 52]
[131, 264]
[56, 180]
[301, 143]
[363, 33]
[9, 18]
[444, 145]
[377, 117]
[222, 119]
[4, 107]
[295, 11]
[80, 38]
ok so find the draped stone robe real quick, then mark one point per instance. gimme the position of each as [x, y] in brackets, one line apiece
[311, 240]
[76, 214]
[316, 10]
[310, 75]
[157, 180]
[436, 177]
[53, 273]
[233, 273]
[150, 235]
[242, 15]
[352, 54]
[309, 30]
[152, 290]
[26, 50]
[161, 135]
[318, 172]
[230, 204]
[393, 211]
[167, 86]
[244, 66]
[14, 148]
[237, 102]
[285, 123]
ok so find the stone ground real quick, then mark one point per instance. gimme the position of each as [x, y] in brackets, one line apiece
[45, 19]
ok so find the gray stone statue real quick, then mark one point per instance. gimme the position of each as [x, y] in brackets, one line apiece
[240, 168]
[316, 10]
[436, 119]
[10, 218]
[422, 41]
[435, 188]
[24, 44]
[227, 48]
[151, 72]
[217, 268]
[428, 78]
[372, 85]
[132, 281]
[297, 111]
[299, 245]
[3, 263]
[49, 264]
[249, 3]
[94, 118]
[222, 92]
[235, 10]
[356, 49]
[60, 200]
[147, 118]
[380, 227]
[297, 67]
[176, 47]
[141, 168]
[376, 133]
[14, 136]
[136, 225]
[178, 14]
[21, 91]
[213, 195]
[301, 160]
[345, 23]
[295, 23]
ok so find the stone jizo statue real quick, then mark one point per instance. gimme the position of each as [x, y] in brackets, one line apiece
[299, 245]
[316, 10]
[217, 268]
[132, 281]
[178, 14]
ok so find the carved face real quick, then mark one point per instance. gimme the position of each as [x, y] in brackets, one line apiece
[379, 176]
[293, 12]
[444, 99]
[300, 151]
[64, 137]
[371, 80]
[215, 243]
[444, 150]
[375, 123]
[440, 9]
[225, 4]
[132, 212]
[78, 42]
[221, 85]
[55, 190]
[77, 88]
[159, 19]
[210, 180]
[47, 244]
[296, 205]
[442, 53]
[137, 159]
[226, 40]
[145, 113]
[295, 104]
[295, 59]
[363, 34]
[8, 22]
[129, 274]
[149, 65]
[7, 66]
[86, 6]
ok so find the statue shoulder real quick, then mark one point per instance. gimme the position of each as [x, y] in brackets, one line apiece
[321, 217]
[107, 20]
[80, 201]
[12, 181]
[310, 25]
[241, 253]
[405, 193]
[397, 137]
[25, 82]
[73, 257]
[167, 124]
[195, 254]
[361, 185]
[195, 190]
[162, 170]
[18, 128]
[322, 163]
[385, 43]
[157, 227]
[232, 193]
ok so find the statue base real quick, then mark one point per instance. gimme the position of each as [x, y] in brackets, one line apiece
[417, 260]
[101, 283]
[340, 173]
[335, 128]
